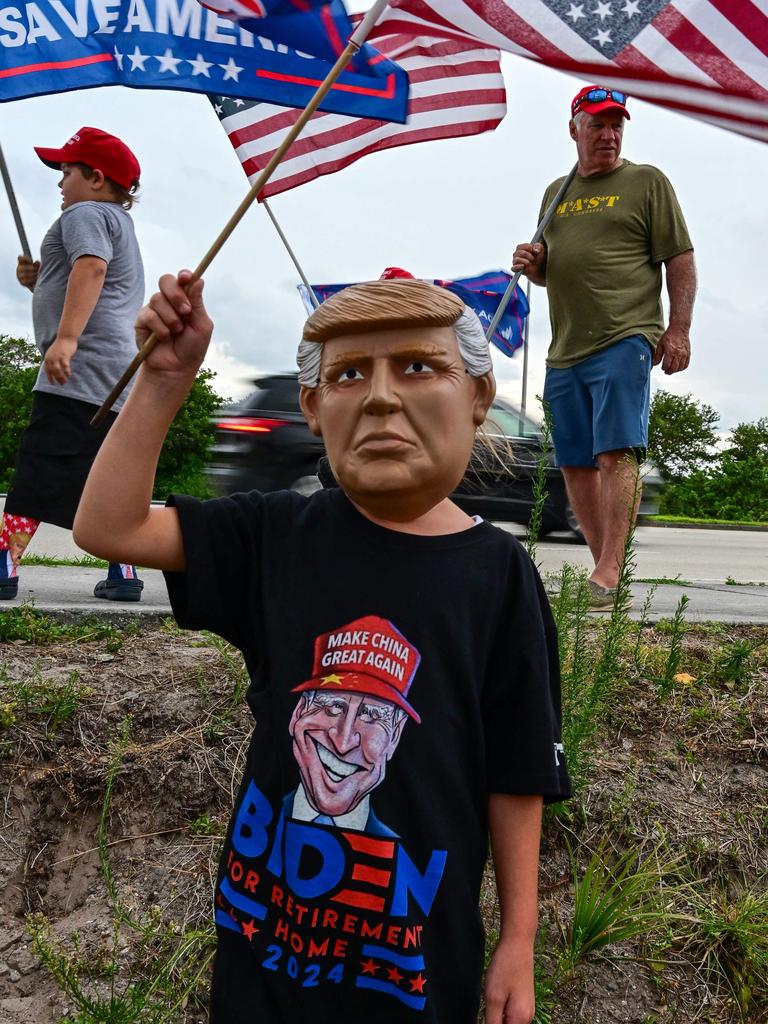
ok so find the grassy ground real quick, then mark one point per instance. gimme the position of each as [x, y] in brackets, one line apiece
[744, 523]
[120, 753]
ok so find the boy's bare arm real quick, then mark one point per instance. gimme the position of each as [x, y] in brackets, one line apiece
[515, 826]
[86, 279]
[114, 519]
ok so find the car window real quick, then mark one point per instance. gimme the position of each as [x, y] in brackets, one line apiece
[277, 395]
[509, 421]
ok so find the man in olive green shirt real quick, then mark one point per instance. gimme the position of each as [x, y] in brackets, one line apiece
[601, 259]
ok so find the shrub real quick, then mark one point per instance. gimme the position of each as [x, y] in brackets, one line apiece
[737, 489]
[19, 361]
[182, 460]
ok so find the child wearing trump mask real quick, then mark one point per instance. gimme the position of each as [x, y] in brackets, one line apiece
[403, 665]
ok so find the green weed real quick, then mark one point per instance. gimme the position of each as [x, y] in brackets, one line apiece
[39, 695]
[539, 483]
[24, 623]
[82, 562]
[204, 825]
[613, 903]
[675, 653]
[726, 936]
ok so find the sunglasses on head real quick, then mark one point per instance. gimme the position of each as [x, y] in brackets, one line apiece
[598, 95]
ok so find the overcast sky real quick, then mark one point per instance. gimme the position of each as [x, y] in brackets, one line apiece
[441, 209]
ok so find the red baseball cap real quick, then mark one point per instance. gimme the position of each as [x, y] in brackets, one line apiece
[602, 100]
[368, 656]
[99, 150]
[392, 273]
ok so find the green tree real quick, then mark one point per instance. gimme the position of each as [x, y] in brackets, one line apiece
[750, 440]
[182, 461]
[19, 362]
[681, 434]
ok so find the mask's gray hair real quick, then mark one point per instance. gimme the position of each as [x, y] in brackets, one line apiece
[473, 348]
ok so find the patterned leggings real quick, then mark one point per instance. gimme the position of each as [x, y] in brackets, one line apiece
[16, 533]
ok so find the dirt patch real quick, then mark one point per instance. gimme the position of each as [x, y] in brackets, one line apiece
[690, 770]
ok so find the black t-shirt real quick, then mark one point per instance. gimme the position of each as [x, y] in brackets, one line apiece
[396, 681]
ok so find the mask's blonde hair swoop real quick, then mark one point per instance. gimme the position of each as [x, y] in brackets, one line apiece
[391, 305]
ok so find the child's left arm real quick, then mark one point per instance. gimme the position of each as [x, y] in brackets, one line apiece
[515, 826]
[83, 290]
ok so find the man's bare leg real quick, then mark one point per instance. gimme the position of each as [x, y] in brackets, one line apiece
[583, 484]
[620, 494]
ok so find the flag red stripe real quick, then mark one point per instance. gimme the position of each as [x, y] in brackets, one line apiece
[702, 52]
[470, 67]
[745, 17]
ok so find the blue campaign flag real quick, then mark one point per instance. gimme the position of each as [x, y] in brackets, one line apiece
[59, 45]
[482, 293]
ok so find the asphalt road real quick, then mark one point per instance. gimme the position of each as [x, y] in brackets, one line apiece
[724, 573]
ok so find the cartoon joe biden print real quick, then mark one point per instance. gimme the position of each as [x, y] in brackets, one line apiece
[348, 721]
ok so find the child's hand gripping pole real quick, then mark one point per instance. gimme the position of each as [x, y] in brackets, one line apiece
[356, 40]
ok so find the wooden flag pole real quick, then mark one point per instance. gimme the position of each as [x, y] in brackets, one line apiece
[284, 240]
[356, 40]
[14, 206]
[548, 214]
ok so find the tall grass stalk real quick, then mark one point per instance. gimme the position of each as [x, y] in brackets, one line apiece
[581, 713]
[677, 632]
[118, 748]
[539, 483]
[645, 612]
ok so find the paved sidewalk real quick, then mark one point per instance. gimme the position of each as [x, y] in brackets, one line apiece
[703, 560]
[68, 591]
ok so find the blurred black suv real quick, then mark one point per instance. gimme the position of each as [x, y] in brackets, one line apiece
[263, 443]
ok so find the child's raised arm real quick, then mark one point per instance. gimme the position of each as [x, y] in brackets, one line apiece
[114, 519]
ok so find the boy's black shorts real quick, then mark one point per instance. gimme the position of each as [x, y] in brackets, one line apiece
[54, 458]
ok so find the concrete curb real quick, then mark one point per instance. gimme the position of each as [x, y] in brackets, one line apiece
[734, 527]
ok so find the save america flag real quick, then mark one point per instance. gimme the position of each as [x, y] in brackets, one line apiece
[704, 58]
[456, 89]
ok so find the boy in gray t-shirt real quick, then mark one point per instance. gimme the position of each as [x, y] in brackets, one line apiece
[87, 289]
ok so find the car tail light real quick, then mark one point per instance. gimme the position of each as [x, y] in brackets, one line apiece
[251, 424]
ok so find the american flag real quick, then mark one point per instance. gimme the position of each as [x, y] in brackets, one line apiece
[704, 58]
[456, 89]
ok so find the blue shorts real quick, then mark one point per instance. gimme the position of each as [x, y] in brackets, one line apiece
[601, 404]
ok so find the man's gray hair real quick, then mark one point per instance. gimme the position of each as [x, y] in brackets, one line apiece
[470, 336]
